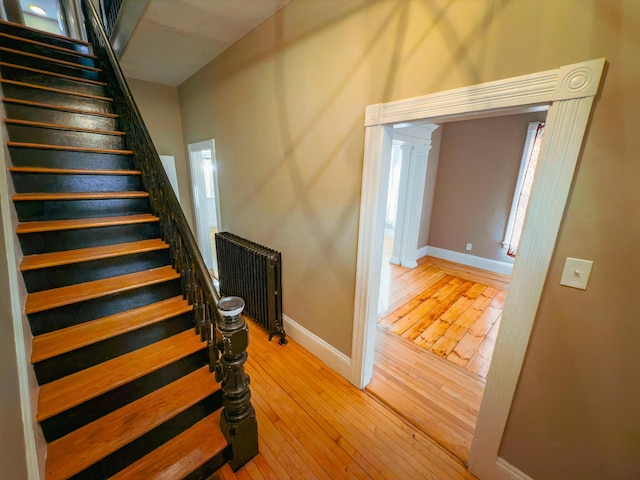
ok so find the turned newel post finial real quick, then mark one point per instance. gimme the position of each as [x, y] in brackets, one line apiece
[238, 419]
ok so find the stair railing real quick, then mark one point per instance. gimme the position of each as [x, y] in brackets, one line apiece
[218, 322]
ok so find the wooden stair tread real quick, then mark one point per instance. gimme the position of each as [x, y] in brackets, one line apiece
[54, 74]
[52, 60]
[58, 297]
[49, 34]
[55, 126]
[22, 197]
[62, 108]
[47, 45]
[57, 225]
[73, 171]
[181, 455]
[70, 391]
[44, 146]
[56, 90]
[81, 448]
[49, 345]
[66, 257]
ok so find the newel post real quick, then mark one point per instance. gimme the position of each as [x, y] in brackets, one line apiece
[238, 420]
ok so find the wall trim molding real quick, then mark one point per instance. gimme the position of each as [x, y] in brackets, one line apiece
[333, 358]
[495, 266]
[568, 92]
[510, 471]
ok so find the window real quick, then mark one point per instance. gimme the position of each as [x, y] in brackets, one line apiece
[523, 187]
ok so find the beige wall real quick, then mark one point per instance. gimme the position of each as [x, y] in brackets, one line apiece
[477, 172]
[160, 110]
[286, 107]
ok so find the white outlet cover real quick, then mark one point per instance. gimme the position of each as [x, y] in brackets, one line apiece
[576, 273]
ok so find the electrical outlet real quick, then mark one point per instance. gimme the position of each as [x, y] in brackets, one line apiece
[576, 273]
[469, 247]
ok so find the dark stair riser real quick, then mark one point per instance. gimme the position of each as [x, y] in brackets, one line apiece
[51, 81]
[145, 444]
[211, 466]
[32, 211]
[67, 100]
[37, 157]
[25, 182]
[61, 240]
[18, 58]
[38, 36]
[72, 362]
[74, 314]
[70, 138]
[72, 419]
[64, 275]
[45, 51]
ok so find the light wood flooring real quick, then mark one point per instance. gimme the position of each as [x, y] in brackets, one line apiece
[313, 424]
[448, 309]
[434, 346]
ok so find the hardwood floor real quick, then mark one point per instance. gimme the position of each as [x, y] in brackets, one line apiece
[434, 347]
[450, 310]
[439, 398]
[314, 424]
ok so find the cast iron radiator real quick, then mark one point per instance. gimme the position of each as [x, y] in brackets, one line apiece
[253, 272]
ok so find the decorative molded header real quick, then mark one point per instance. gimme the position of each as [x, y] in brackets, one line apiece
[570, 81]
[373, 115]
[579, 80]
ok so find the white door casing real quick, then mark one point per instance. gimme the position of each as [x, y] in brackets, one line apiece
[568, 92]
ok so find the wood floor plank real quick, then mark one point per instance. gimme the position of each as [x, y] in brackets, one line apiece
[357, 419]
[19, 101]
[53, 74]
[56, 90]
[42, 146]
[57, 225]
[49, 345]
[73, 171]
[81, 448]
[50, 59]
[66, 257]
[55, 126]
[57, 297]
[26, 197]
[72, 390]
[47, 45]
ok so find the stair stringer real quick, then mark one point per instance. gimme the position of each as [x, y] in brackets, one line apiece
[15, 349]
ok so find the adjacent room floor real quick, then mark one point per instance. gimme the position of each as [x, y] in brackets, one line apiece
[434, 344]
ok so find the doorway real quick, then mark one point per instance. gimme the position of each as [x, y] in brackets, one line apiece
[206, 200]
[448, 304]
[568, 92]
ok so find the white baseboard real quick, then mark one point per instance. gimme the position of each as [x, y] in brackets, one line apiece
[510, 470]
[333, 358]
[409, 264]
[422, 252]
[495, 266]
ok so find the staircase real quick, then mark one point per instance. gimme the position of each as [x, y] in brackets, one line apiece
[126, 389]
